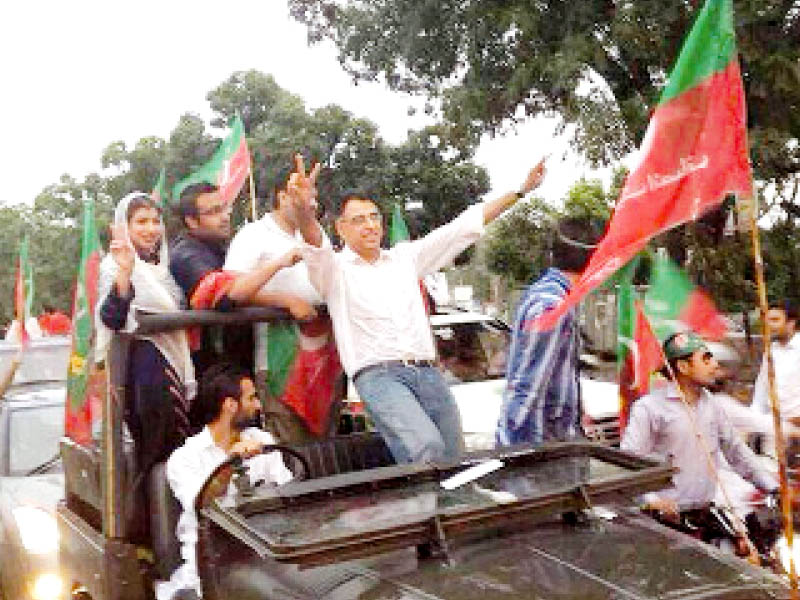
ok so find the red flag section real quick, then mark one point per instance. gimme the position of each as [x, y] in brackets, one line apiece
[695, 151]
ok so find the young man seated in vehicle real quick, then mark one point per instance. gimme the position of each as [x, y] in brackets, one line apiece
[227, 404]
[684, 421]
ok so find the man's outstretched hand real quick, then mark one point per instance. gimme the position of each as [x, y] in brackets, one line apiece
[534, 178]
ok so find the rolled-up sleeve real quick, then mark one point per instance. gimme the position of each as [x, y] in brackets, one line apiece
[444, 243]
[638, 437]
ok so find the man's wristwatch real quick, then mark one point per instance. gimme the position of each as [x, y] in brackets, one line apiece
[520, 194]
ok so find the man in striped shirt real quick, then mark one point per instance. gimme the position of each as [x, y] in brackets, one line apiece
[542, 401]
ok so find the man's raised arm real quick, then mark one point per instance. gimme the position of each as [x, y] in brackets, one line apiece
[494, 208]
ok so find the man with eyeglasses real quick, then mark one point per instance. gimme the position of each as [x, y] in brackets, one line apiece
[197, 257]
[381, 326]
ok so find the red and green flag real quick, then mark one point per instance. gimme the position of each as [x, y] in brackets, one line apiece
[398, 232]
[228, 168]
[159, 194]
[638, 350]
[693, 154]
[303, 369]
[673, 303]
[23, 291]
[84, 383]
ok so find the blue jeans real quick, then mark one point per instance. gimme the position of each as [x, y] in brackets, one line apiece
[414, 410]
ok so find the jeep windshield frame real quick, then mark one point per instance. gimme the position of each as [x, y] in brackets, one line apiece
[371, 512]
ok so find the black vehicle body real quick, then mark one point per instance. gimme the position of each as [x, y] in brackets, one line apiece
[31, 482]
[361, 528]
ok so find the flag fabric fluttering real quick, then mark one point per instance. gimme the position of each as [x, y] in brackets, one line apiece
[23, 291]
[693, 154]
[160, 195]
[673, 303]
[638, 350]
[85, 384]
[228, 167]
[398, 232]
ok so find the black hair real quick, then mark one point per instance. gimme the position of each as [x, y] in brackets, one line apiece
[220, 381]
[353, 194]
[187, 205]
[137, 202]
[573, 242]
[787, 306]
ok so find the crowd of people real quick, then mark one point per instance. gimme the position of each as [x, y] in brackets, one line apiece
[195, 397]
[375, 332]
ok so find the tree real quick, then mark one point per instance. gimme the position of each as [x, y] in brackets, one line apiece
[598, 64]
[278, 125]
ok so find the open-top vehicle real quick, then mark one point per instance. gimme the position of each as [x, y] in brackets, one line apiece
[556, 521]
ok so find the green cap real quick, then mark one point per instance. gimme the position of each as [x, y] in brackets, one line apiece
[683, 344]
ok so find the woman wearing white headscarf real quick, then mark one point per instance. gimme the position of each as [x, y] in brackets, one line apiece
[160, 377]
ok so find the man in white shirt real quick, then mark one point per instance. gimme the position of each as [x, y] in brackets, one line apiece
[227, 403]
[782, 323]
[264, 241]
[381, 327]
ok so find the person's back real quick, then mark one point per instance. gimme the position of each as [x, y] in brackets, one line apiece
[542, 401]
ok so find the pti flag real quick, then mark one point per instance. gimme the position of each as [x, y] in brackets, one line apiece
[228, 168]
[159, 194]
[23, 290]
[638, 350]
[85, 384]
[673, 303]
[398, 232]
[693, 154]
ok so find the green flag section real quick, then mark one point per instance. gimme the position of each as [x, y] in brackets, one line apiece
[159, 194]
[84, 383]
[693, 154]
[228, 167]
[673, 303]
[398, 231]
[302, 371]
[638, 350]
[23, 291]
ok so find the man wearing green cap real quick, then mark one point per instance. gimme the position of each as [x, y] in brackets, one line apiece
[663, 424]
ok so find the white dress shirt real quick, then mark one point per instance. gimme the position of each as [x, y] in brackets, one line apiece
[660, 425]
[264, 240]
[786, 358]
[187, 470]
[376, 308]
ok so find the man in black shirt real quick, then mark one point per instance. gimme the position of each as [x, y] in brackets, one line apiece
[196, 260]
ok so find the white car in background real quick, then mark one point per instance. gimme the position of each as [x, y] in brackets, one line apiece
[472, 349]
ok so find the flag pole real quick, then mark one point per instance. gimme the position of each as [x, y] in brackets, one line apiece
[253, 211]
[780, 446]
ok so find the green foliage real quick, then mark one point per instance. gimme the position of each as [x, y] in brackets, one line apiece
[277, 123]
[516, 244]
[599, 65]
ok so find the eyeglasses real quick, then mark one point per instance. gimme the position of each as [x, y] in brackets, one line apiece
[217, 209]
[359, 220]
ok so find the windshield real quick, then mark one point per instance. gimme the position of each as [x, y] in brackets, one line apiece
[471, 352]
[35, 433]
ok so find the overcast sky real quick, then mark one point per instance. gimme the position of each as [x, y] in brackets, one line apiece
[78, 75]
